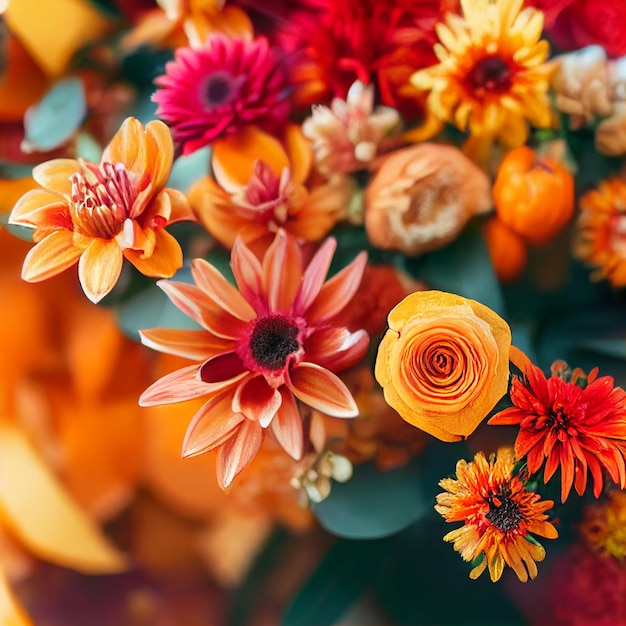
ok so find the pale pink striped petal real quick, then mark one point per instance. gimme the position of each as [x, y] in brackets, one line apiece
[286, 427]
[99, 268]
[322, 390]
[257, 400]
[337, 291]
[197, 345]
[192, 301]
[282, 272]
[220, 290]
[52, 255]
[247, 272]
[181, 385]
[238, 451]
[336, 349]
[211, 426]
[315, 274]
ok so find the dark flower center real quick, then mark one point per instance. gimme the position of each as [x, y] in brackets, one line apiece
[504, 513]
[221, 88]
[490, 74]
[273, 340]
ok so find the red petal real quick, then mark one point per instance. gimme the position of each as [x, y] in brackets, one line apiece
[257, 400]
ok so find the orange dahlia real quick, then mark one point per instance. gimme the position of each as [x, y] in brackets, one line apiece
[99, 214]
[491, 79]
[261, 348]
[571, 421]
[600, 231]
[499, 515]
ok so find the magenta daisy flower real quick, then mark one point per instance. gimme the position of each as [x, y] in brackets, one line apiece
[261, 349]
[214, 90]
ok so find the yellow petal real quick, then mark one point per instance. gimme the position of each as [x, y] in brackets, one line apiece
[36, 508]
[166, 258]
[99, 268]
[11, 614]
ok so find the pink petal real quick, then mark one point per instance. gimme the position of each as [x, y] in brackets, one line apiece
[282, 272]
[257, 400]
[178, 386]
[322, 390]
[336, 349]
[222, 367]
[211, 426]
[192, 301]
[247, 271]
[337, 291]
[315, 274]
[238, 451]
[220, 290]
[51, 256]
[286, 427]
[197, 345]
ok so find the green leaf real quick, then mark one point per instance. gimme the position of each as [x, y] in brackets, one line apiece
[464, 268]
[52, 122]
[374, 504]
[22, 232]
[338, 581]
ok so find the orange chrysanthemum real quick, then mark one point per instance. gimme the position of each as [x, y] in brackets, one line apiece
[603, 526]
[492, 78]
[99, 214]
[261, 184]
[578, 427]
[600, 231]
[499, 515]
[262, 347]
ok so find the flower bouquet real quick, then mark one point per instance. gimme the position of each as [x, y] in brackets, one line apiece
[312, 310]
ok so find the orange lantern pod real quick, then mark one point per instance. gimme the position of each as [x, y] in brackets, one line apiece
[507, 250]
[533, 196]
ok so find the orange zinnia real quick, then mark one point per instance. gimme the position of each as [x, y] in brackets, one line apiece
[576, 427]
[262, 347]
[98, 214]
[499, 515]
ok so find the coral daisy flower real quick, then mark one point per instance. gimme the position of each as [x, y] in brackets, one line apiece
[600, 231]
[491, 78]
[99, 214]
[569, 420]
[499, 515]
[261, 348]
[216, 89]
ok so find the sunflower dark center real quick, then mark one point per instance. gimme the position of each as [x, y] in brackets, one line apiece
[490, 74]
[504, 512]
[273, 339]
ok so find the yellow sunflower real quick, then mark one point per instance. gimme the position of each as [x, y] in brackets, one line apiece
[492, 78]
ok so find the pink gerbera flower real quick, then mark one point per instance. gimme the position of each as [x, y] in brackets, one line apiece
[214, 90]
[261, 349]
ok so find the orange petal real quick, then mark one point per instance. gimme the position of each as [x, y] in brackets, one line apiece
[180, 208]
[282, 271]
[238, 451]
[12, 189]
[322, 390]
[40, 207]
[220, 290]
[160, 152]
[234, 157]
[247, 271]
[129, 147]
[56, 175]
[197, 345]
[11, 613]
[300, 153]
[165, 260]
[39, 512]
[315, 274]
[52, 255]
[286, 427]
[99, 268]
[178, 386]
[211, 426]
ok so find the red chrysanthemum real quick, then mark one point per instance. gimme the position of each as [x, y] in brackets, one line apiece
[577, 423]
[215, 90]
[261, 349]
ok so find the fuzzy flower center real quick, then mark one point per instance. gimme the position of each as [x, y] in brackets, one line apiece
[101, 200]
[220, 88]
[504, 513]
[273, 339]
[490, 75]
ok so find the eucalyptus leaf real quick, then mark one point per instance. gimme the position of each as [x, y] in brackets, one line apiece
[22, 232]
[52, 122]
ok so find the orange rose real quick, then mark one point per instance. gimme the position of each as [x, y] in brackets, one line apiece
[444, 362]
